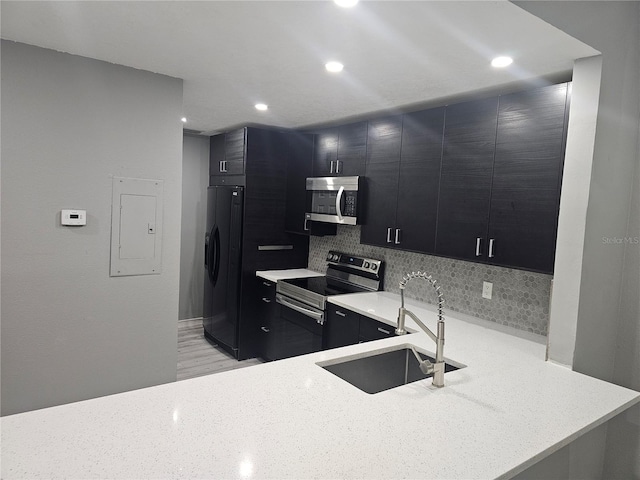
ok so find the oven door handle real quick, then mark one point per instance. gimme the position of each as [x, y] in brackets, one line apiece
[339, 203]
[293, 305]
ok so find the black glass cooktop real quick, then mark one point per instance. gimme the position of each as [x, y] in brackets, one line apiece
[323, 285]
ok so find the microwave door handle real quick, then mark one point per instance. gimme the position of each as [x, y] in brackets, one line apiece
[339, 202]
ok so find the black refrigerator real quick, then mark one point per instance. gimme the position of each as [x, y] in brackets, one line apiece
[222, 260]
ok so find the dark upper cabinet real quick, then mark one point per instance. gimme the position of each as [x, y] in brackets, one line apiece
[227, 153]
[527, 173]
[325, 152]
[500, 181]
[419, 180]
[299, 167]
[381, 188]
[465, 179]
[340, 151]
[402, 180]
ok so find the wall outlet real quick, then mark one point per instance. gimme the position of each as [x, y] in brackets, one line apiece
[487, 290]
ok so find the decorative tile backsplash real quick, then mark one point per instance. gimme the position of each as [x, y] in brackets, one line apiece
[520, 299]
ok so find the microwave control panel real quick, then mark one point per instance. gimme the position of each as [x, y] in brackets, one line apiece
[324, 202]
[350, 203]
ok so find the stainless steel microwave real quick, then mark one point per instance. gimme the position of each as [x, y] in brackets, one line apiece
[334, 199]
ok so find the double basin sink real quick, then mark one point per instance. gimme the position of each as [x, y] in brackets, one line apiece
[383, 369]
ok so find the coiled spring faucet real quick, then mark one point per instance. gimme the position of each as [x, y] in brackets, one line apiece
[426, 366]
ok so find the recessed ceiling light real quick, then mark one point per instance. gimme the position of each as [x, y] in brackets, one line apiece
[184, 119]
[501, 62]
[334, 66]
[346, 3]
[261, 106]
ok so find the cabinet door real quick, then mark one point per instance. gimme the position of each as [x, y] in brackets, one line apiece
[325, 152]
[352, 148]
[341, 328]
[526, 178]
[371, 329]
[465, 180]
[419, 180]
[216, 154]
[299, 167]
[235, 142]
[381, 189]
[266, 333]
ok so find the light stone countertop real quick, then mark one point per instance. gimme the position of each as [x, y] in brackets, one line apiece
[275, 275]
[292, 419]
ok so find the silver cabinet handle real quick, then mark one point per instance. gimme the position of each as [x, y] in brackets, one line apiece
[266, 300]
[306, 225]
[478, 247]
[331, 167]
[491, 248]
[338, 200]
[221, 167]
[337, 166]
[397, 241]
[389, 234]
[267, 284]
[264, 329]
[382, 330]
[338, 312]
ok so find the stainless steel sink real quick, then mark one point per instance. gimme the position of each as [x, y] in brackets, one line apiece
[382, 369]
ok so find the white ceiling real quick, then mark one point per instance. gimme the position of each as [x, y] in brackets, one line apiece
[232, 54]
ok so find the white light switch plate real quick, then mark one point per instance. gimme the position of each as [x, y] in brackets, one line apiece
[487, 290]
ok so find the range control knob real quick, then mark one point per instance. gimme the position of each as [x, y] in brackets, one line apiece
[366, 265]
[374, 267]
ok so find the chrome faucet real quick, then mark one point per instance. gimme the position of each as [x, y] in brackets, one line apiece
[437, 368]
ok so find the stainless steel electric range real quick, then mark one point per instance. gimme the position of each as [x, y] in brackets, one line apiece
[302, 301]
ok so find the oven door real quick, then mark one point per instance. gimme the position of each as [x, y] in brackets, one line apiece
[300, 328]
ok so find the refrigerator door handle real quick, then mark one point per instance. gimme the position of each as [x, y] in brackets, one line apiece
[208, 251]
[215, 263]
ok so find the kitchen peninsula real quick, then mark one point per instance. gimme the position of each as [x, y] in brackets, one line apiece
[503, 412]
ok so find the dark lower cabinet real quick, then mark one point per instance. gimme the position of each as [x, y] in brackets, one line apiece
[371, 329]
[344, 327]
[279, 331]
[266, 324]
[341, 327]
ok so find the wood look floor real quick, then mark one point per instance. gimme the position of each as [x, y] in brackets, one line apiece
[197, 356]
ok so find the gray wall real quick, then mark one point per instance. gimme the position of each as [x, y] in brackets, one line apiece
[520, 299]
[69, 331]
[607, 340]
[195, 179]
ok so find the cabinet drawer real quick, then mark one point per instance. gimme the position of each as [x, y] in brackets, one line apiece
[266, 290]
[374, 330]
